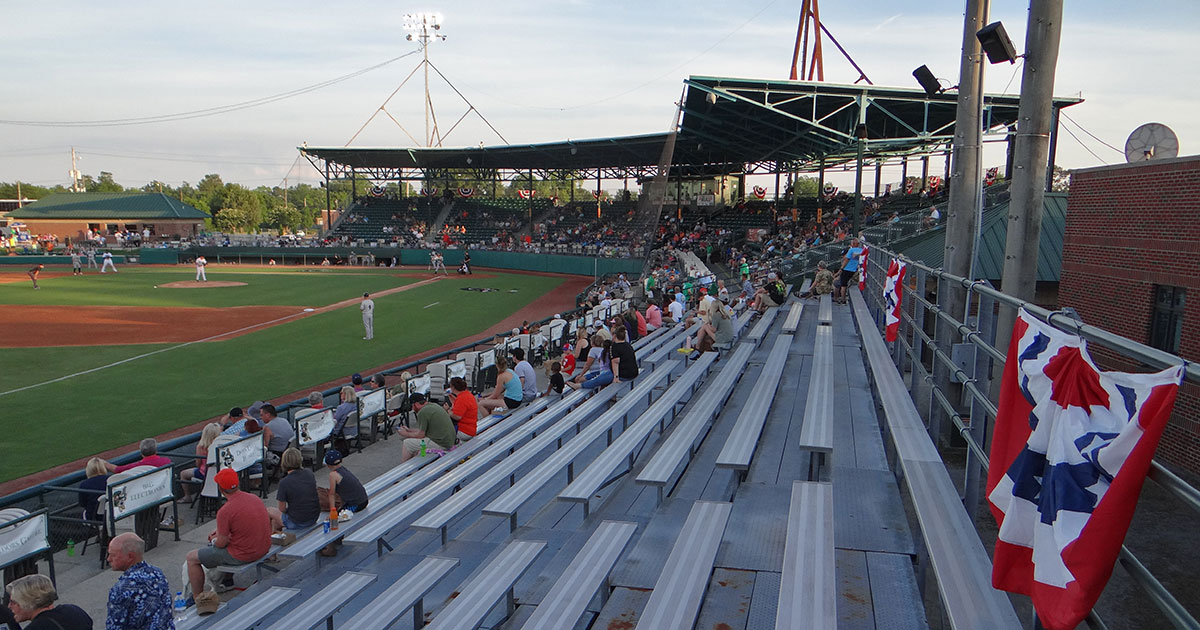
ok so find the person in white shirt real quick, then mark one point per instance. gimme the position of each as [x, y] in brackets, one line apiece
[201, 263]
[676, 309]
[108, 263]
[367, 306]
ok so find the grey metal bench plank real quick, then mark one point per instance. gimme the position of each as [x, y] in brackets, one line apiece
[806, 285]
[440, 515]
[960, 563]
[511, 500]
[739, 449]
[380, 502]
[396, 474]
[668, 349]
[763, 326]
[253, 611]
[679, 443]
[568, 599]
[650, 336]
[825, 311]
[675, 601]
[402, 595]
[479, 595]
[739, 322]
[792, 321]
[808, 588]
[325, 603]
[483, 458]
[816, 433]
[667, 339]
[598, 472]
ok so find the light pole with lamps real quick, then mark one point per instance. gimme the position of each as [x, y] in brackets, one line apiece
[422, 28]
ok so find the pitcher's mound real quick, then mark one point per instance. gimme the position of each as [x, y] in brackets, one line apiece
[192, 284]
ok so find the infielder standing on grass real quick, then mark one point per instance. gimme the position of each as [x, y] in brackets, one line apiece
[33, 274]
[108, 263]
[91, 257]
[201, 262]
[368, 312]
[76, 263]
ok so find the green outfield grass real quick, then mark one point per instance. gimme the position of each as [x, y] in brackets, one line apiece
[86, 414]
[135, 287]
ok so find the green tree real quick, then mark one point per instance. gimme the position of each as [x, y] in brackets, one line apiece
[236, 196]
[28, 191]
[231, 220]
[104, 183]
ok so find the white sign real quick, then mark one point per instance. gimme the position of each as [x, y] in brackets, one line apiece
[315, 426]
[706, 200]
[487, 359]
[457, 369]
[573, 327]
[511, 344]
[241, 454]
[128, 496]
[24, 538]
[371, 403]
[419, 384]
[556, 332]
[589, 318]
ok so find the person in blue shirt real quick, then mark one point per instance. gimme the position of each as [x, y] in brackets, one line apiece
[141, 598]
[849, 268]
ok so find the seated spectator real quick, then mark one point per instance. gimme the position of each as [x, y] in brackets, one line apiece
[243, 534]
[718, 330]
[343, 429]
[378, 382]
[141, 598]
[97, 479]
[463, 408]
[556, 378]
[277, 433]
[299, 505]
[675, 308]
[316, 400]
[822, 282]
[507, 394]
[210, 433]
[770, 294]
[624, 359]
[357, 381]
[593, 352]
[150, 457]
[654, 318]
[234, 416]
[255, 409]
[432, 426]
[32, 598]
[598, 370]
[524, 371]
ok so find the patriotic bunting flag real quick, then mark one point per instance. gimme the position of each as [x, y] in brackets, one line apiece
[429, 192]
[935, 182]
[526, 194]
[887, 190]
[595, 194]
[908, 188]
[760, 192]
[466, 192]
[862, 268]
[378, 191]
[991, 176]
[893, 292]
[1070, 452]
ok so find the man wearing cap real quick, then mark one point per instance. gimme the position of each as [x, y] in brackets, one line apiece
[243, 532]
[345, 490]
[367, 306]
[433, 425]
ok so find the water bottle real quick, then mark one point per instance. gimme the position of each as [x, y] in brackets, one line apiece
[422, 447]
[70, 547]
[180, 605]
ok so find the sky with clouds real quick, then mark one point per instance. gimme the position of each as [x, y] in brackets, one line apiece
[539, 71]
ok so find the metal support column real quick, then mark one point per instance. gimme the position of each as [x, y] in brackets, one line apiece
[878, 177]
[328, 201]
[856, 222]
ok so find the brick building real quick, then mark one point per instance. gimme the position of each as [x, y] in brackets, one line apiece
[1131, 265]
[70, 215]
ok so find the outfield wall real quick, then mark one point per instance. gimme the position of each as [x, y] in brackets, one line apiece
[51, 259]
[576, 265]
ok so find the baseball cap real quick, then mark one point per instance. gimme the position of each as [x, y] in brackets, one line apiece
[332, 457]
[417, 397]
[227, 479]
[236, 412]
[356, 379]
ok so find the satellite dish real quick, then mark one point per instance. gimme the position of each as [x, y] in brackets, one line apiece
[1151, 141]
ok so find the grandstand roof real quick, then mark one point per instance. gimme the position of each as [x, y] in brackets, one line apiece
[109, 206]
[929, 247]
[726, 124]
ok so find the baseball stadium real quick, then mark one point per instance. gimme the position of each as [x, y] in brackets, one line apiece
[679, 380]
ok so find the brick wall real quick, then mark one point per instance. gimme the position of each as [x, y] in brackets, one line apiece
[1131, 227]
[75, 229]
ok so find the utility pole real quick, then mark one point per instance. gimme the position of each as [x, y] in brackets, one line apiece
[1034, 117]
[19, 204]
[420, 26]
[962, 216]
[74, 173]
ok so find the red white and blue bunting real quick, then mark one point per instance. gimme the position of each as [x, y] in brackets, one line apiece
[466, 193]
[430, 192]
[378, 191]
[760, 192]
[893, 293]
[524, 193]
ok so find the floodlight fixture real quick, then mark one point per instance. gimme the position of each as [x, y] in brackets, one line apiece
[996, 44]
[928, 82]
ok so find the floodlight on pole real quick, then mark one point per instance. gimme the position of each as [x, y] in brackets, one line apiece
[423, 28]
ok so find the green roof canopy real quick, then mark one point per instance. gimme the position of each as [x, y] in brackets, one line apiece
[149, 206]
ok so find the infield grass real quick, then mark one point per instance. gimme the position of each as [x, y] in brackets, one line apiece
[90, 413]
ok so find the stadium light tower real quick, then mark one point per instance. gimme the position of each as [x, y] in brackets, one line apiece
[423, 28]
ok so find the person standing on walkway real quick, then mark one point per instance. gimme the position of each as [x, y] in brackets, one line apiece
[201, 263]
[141, 598]
[368, 314]
[108, 263]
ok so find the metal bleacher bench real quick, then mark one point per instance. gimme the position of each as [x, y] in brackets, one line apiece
[378, 528]
[739, 448]
[816, 433]
[681, 442]
[808, 584]
[257, 565]
[324, 604]
[763, 326]
[597, 474]
[382, 496]
[494, 581]
[247, 615]
[960, 563]
[439, 517]
[792, 321]
[649, 337]
[825, 310]
[668, 348]
[568, 598]
[405, 593]
[806, 286]
[675, 601]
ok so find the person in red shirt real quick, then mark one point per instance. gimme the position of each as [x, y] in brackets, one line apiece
[150, 457]
[243, 532]
[465, 410]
